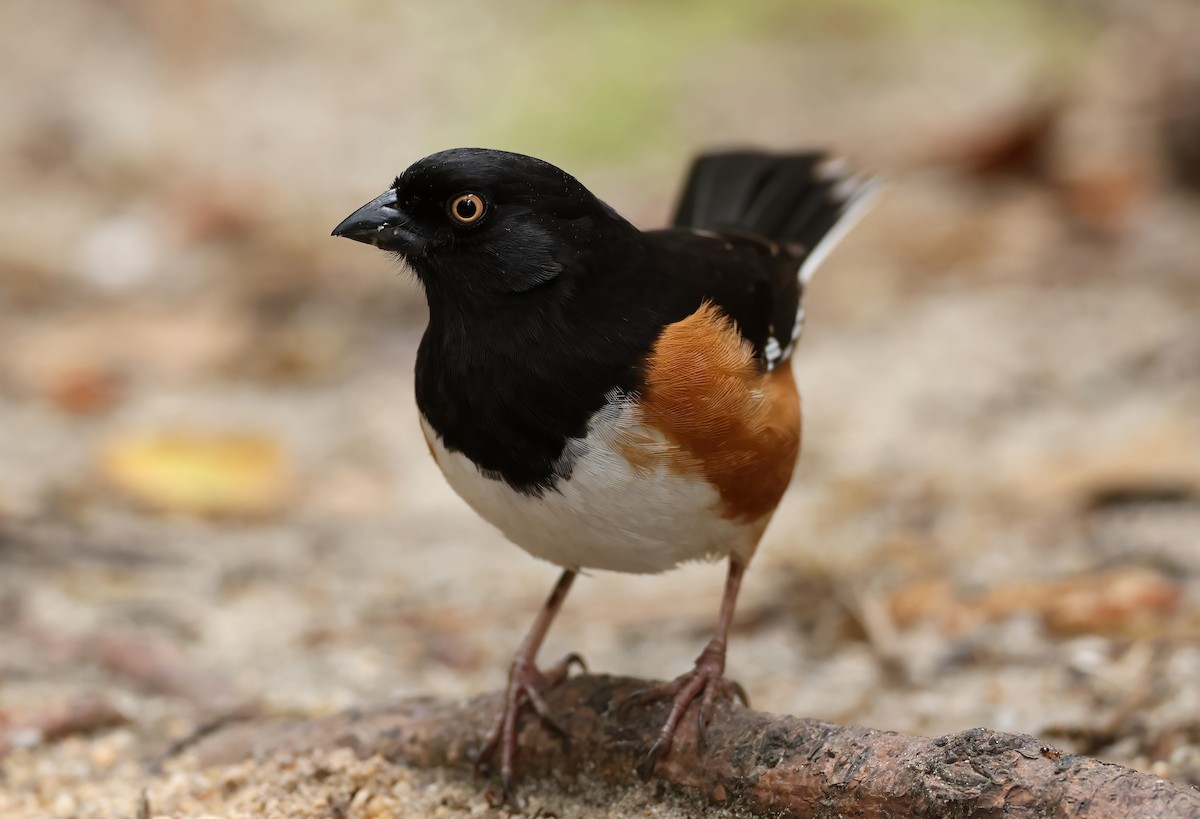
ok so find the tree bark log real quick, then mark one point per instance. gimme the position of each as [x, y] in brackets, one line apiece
[774, 765]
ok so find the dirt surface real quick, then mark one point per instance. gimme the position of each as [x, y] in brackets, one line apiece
[996, 520]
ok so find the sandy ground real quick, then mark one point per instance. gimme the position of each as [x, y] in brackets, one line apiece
[996, 520]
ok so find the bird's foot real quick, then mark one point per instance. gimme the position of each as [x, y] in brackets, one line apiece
[525, 686]
[704, 682]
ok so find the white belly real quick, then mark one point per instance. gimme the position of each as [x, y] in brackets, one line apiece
[608, 514]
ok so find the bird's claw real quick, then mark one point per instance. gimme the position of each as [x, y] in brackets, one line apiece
[645, 768]
[562, 669]
[704, 682]
[649, 694]
[525, 686]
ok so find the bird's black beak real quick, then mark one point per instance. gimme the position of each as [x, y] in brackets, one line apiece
[381, 223]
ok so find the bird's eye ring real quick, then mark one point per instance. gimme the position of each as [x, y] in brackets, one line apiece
[466, 209]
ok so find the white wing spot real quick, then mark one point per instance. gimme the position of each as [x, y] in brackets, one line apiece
[773, 352]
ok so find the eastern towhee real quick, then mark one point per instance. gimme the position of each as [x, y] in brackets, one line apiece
[608, 397]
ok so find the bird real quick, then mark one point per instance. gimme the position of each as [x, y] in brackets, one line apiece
[608, 397]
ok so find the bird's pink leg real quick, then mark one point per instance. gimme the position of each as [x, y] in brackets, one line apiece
[704, 681]
[525, 686]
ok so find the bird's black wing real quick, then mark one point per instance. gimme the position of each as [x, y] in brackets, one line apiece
[750, 228]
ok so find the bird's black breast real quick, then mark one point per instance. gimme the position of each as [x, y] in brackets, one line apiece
[510, 389]
[511, 411]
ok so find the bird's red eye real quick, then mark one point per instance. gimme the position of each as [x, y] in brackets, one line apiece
[466, 208]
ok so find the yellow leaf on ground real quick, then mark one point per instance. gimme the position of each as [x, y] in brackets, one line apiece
[199, 473]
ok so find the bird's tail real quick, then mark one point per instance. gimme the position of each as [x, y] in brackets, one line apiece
[804, 201]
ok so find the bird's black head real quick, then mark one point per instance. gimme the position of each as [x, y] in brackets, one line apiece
[471, 222]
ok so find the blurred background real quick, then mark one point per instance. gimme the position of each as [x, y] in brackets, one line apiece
[214, 494]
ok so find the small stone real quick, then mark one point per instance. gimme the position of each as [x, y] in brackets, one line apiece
[65, 806]
[104, 756]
